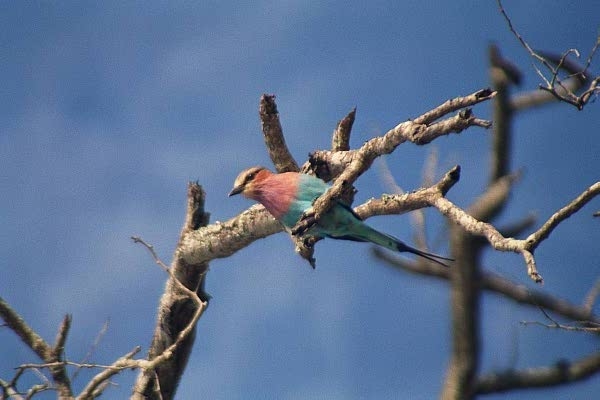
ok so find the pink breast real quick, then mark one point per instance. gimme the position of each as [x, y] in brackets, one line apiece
[277, 192]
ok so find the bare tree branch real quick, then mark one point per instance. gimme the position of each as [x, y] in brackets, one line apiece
[223, 239]
[61, 337]
[524, 247]
[97, 384]
[516, 228]
[563, 326]
[561, 373]
[18, 325]
[502, 74]
[9, 391]
[594, 328]
[402, 203]
[464, 298]
[273, 134]
[341, 135]
[448, 107]
[537, 237]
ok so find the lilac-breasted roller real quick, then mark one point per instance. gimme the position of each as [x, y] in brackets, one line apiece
[288, 195]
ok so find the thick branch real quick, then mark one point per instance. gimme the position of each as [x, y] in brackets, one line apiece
[61, 337]
[465, 293]
[18, 325]
[273, 134]
[502, 74]
[561, 373]
[10, 391]
[524, 247]
[222, 239]
[177, 313]
[454, 105]
[402, 203]
[341, 136]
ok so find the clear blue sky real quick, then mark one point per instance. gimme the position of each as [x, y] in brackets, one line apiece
[108, 109]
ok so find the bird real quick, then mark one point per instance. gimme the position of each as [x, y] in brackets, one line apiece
[288, 195]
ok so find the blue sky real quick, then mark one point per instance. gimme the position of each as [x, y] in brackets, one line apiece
[108, 109]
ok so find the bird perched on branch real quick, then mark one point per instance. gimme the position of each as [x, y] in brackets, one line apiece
[288, 195]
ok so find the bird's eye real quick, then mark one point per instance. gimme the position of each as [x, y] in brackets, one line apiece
[250, 177]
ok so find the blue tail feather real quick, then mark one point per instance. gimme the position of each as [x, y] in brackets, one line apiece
[369, 234]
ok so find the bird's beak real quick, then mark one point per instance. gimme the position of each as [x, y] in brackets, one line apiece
[236, 190]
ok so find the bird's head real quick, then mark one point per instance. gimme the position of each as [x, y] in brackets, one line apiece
[245, 180]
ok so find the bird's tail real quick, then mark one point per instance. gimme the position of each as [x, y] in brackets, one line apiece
[382, 239]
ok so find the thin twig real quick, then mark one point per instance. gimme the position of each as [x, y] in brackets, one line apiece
[109, 371]
[92, 348]
[556, 324]
[588, 62]
[563, 326]
[157, 260]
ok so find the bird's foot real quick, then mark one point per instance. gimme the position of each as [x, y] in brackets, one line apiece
[309, 218]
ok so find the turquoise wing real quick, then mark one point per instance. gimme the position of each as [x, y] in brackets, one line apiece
[309, 189]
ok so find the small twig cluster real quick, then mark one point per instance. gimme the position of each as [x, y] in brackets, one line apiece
[553, 83]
